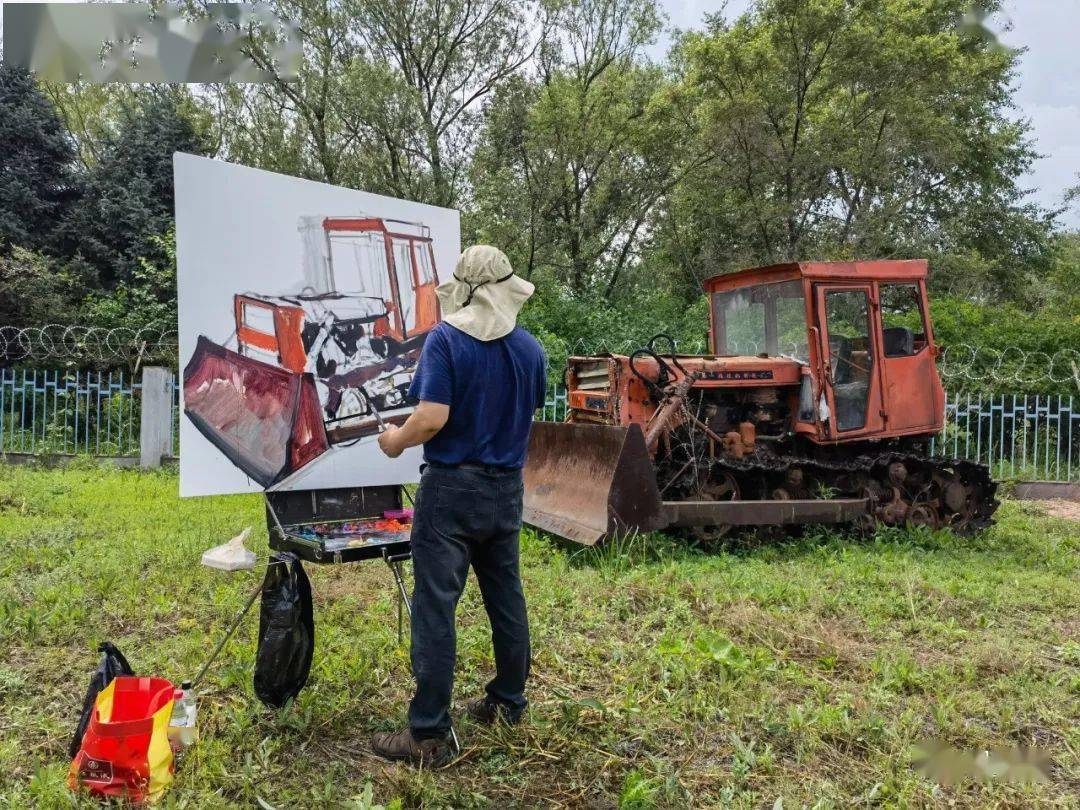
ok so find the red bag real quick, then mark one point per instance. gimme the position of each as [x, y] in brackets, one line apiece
[125, 751]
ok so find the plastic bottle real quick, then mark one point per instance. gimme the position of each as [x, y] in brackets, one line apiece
[183, 730]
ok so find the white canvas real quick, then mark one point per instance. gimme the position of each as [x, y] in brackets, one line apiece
[302, 292]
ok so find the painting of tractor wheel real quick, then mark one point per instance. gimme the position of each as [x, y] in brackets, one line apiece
[303, 309]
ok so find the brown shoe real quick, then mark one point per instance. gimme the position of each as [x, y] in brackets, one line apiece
[432, 753]
[486, 711]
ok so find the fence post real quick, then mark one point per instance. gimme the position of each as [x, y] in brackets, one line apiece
[155, 424]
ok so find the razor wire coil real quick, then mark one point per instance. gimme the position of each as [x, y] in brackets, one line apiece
[73, 345]
[961, 365]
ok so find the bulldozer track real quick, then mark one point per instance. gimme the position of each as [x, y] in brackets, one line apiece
[928, 476]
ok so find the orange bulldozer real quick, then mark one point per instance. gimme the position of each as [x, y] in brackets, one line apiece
[817, 404]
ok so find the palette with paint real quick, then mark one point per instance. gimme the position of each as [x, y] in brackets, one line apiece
[339, 525]
[355, 533]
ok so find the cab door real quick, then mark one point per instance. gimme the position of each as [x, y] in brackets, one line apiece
[848, 351]
[404, 283]
[914, 398]
[425, 280]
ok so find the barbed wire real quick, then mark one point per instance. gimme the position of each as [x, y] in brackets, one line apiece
[961, 365]
[80, 345]
[1010, 366]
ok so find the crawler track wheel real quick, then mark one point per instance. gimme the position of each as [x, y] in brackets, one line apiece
[722, 486]
[967, 501]
[922, 514]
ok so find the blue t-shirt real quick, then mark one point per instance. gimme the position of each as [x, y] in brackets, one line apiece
[493, 388]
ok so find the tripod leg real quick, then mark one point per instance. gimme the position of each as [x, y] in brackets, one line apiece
[395, 566]
[228, 633]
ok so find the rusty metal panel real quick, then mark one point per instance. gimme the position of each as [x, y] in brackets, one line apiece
[763, 513]
[866, 270]
[583, 481]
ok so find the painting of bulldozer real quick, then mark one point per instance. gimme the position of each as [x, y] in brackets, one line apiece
[327, 363]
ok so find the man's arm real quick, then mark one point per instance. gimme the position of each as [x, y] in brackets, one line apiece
[424, 422]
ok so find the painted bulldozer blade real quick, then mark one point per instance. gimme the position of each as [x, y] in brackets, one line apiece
[265, 419]
[586, 482]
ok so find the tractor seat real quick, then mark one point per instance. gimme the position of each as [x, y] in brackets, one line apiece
[840, 350]
[899, 341]
[851, 400]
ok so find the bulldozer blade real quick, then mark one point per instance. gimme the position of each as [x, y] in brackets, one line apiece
[266, 420]
[587, 482]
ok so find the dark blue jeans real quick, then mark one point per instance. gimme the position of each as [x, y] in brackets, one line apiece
[466, 516]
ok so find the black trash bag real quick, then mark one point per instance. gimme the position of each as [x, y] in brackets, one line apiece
[112, 664]
[286, 631]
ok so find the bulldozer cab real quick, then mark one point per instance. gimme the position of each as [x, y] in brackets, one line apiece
[861, 329]
[371, 271]
[378, 258]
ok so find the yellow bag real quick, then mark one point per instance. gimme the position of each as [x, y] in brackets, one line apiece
[125, 751]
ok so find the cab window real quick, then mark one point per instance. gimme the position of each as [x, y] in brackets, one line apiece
[359, 262]
[902, 330]
[423, 262]
[851, 358]
[762, 319]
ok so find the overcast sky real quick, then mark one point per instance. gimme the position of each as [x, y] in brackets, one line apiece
[1047, 92]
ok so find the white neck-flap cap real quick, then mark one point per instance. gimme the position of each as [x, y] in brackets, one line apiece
[484, 296]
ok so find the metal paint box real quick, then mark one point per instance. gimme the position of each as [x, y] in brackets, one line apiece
[291, 518]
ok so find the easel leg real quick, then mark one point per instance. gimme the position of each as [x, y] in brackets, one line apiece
[403, 594]
[228, 633]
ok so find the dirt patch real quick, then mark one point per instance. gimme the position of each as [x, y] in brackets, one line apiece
[1060, 508]
[330, 583]
[803, 638]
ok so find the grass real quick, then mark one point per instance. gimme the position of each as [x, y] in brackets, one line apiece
[798, 673]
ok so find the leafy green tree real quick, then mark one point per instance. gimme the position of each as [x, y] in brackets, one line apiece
[147, 298]
[35, 157]
[858, 128]
[94, 114]
[574, 162]
[389, 95]
[426, 67]
[128, 200]
[37, 289]
[1062, 285]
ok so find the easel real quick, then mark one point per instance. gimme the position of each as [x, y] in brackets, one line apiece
[288, 512]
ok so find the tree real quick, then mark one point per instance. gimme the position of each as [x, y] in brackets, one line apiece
[35, 160]
[446, 57]
[94, 114]
[128, 201]
[36, 289]
[389, 95]
[573, 163]
[857, 128]
[148, 298]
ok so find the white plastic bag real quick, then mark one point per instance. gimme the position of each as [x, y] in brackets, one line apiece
[231, 556]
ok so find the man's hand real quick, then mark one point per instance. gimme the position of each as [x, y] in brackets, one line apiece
[422, 424]
[388, 441]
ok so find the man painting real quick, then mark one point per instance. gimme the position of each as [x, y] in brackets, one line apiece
[479, 380]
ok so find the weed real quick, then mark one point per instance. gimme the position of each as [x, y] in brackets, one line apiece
[663, 676]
